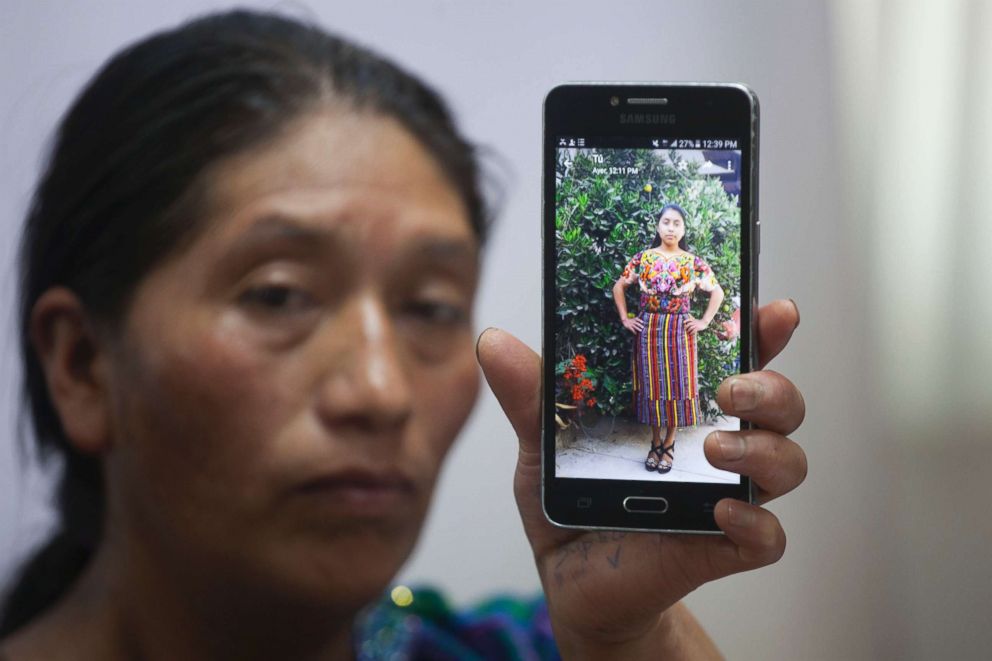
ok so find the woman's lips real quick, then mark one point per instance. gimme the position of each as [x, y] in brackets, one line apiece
[361, 493]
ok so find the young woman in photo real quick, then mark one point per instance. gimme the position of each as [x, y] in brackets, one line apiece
[664, 361]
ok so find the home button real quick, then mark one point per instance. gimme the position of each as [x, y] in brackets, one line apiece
[645, 504]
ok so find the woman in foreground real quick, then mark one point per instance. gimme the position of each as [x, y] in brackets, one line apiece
[247, 281]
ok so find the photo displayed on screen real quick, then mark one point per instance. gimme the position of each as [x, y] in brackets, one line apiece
[648, 245]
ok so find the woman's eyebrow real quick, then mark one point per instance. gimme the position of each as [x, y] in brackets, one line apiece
[448, 251]
[279, 228]
[274, 234]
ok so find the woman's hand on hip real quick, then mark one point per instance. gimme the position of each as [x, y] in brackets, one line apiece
[634, 325]
[611, 594]
[695, 325]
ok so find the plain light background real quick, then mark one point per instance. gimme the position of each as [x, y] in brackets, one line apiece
[875, 567]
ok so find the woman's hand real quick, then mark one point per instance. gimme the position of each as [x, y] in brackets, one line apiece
[696, 325]
[616, 594]
[634, 325]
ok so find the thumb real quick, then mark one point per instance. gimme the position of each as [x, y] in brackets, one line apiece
[513, 372]
[514, 375]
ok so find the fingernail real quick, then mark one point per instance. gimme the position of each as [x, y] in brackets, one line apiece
[731, 446]
[740, 515]
[743, 395]
[479, 339]
[797, 311]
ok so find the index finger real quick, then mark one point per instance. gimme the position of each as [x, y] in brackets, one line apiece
[776, 323]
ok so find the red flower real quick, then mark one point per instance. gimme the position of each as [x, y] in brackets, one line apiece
[575, 378]
[591, 401]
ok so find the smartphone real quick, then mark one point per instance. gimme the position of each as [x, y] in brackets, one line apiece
[651, 241]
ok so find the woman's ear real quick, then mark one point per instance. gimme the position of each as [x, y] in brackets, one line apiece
[76, 367]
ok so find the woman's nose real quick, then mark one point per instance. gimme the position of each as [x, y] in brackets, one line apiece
[365, 384]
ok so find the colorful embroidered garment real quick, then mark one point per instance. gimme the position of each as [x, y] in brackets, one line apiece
[664, 367]
[667, 283]
[501, 629]
[664, 361]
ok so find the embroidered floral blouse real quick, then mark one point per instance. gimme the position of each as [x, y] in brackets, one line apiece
[500, 629]
[667, 283]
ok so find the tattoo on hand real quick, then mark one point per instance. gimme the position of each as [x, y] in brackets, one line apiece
[614, 560]
[579, 549]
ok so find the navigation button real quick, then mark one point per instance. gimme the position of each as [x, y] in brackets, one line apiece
[645, 504]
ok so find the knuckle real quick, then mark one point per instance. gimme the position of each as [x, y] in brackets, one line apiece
[760, 452]
[772, 543]
[788, 402]
[765, 455]
[782, 466]
[773, 475]
[776, 550]
[794, 406]
[800, 405]
[803, 465]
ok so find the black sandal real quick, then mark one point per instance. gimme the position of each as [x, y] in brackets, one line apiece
[670, 450]
[651, 463]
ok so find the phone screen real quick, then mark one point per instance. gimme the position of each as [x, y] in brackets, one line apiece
[650, 275]
[662, 217]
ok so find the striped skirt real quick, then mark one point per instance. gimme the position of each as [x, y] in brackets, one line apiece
[664, 365]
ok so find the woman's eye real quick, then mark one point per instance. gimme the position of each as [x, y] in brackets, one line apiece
[277, 298]
[437, 312]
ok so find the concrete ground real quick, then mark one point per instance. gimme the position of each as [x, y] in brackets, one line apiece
[597, 452]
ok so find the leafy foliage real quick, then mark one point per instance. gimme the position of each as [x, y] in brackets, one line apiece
[606, 212]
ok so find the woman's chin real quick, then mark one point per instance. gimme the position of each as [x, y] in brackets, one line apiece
[345, 572]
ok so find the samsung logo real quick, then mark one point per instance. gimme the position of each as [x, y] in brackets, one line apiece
[646, 118]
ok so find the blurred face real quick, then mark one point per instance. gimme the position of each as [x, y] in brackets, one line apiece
[287, 387]
[671, 228]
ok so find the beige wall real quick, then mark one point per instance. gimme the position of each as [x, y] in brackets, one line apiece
[914, 103]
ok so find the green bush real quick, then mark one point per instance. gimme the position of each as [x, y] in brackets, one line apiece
[602, 220]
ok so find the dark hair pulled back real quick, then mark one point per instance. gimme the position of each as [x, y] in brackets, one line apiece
[657, 237]
[118, 193]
